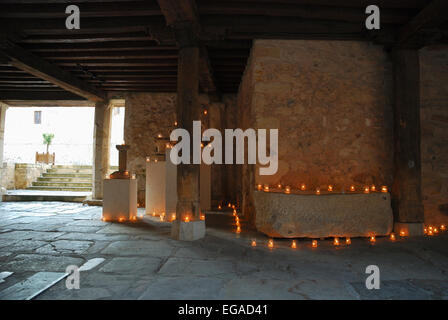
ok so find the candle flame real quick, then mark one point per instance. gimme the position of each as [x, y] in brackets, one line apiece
[392, 236]
[317, 191]
[352, 188]
[383, 189]
[402, 233]
[336, 241]
[271, 243]
[366, 189]
[372, 239]
[294, 244]
[303, 187]
[348, 241]
[330, 188]
[314, 243]
[287, 189]
[254, 243]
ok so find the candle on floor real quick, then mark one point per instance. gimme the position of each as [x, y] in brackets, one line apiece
[383, 189]
[287, 189]
[372, 239]
[202, 216]
[314, 243]
[219, 207]
[330, 188]
[373, 188]
[336, 241]
[402, 233]
[187, 219]
[254, 243]
[271, 243]
[266, 188]
[121, 219]
[303, 187]
[348, 241]
[352, 188]
[318, 191]
[443, 227]
[392, 236]
[366, 189]
[279, 186]
[173, 216]
[259, 187]
[238, 229]
[294, 244]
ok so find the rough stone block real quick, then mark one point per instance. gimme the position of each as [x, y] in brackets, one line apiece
[315, 216]
[410, 229]
[188, 231]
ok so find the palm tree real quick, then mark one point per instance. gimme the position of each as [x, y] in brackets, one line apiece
[48, 138]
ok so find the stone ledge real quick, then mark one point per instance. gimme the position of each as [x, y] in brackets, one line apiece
[316, 216]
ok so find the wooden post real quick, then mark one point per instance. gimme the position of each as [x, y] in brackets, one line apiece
[406, 190]
[101, 141]
[188, 110]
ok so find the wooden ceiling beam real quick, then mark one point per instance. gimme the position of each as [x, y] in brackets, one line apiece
[42, 69]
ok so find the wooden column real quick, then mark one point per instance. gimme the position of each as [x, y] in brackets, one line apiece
[101, 142]
[188, 110]
[406, 190]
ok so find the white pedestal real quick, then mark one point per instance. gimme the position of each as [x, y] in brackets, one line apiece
[161, 186]
[188, 231]
[119, 199]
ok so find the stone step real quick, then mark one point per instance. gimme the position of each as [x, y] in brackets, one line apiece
[69, 166]
[61, 184]
[67, 170]
[68, 175]
[39, 195]
[48, 188]
[52, 178]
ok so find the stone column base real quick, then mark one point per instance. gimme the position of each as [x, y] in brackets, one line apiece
[188, 231]
[410, 229]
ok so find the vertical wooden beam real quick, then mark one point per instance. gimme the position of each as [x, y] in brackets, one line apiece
[101, 142]
[406, 191]
[188, 110]
[3, 109]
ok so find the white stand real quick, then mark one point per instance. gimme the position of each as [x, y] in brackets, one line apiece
[119, 199]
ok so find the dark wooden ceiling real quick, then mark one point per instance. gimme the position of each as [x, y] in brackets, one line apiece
[126, 45]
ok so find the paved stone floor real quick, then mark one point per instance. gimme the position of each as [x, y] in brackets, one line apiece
[142, 262]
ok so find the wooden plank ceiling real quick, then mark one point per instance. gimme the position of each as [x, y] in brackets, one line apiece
[126, 45]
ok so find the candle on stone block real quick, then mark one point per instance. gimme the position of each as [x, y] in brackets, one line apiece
[392, 236]
[348, 241]
[271, 243]
[352, 188]
[303, 187]
[366, 189]
[314, 243]
[294, 244]
[162, 216]
[287, 189]
[384, 189]
[336, 241]
[330, 188]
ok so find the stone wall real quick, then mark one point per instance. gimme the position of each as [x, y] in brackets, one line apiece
[147, 115]
[332, 104]
[434, 126]
[21, 175]
[7, 175]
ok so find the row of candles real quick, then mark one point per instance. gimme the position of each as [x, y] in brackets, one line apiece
[173, 217]
[430, 230]
[330, 188]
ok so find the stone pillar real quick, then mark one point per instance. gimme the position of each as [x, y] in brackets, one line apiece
[406, 190]
[101, 142]
[3, 109]
[217, 171]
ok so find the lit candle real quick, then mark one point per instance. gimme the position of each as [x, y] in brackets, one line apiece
[202, 216]
[383, 189]
[303, 187]
[254, 243]
[430, 233]
[352, 188]
[314, 243]
[372, 239]
[442, 227]
[373, 188]
[134, 218]
[348, 241]
[229, 205]
[266, 188]
[436, 230]
[153, 213]
[148, 159]
[155, 160]
[173, 216]
[162, 217]
[205, 112]
[392, 236]
[159, 135]
[234, 212]
[104, 219]
[175, 123]
[238, 229]
[233, 206]
[287, 189]
[259, 187]
[237, 219]
[121, 219]
[270, 244]
[279, 186]
[133, 176]
[294, 244]
[317, 191]
[336, 241]
[402, 233]
[187, 219]
[219, 207]
[366, 189]
[168, 146]
[330, 188]
[425, 230]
